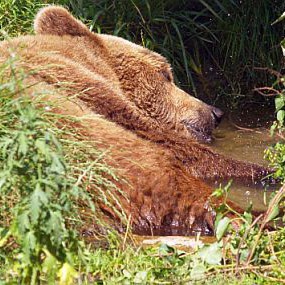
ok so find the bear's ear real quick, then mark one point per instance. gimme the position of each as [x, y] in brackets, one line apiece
[55, 20]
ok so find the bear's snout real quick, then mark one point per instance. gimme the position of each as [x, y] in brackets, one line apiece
[217, 115]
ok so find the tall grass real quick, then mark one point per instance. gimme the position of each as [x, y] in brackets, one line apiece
[247, 46]
[16, 16]
[220, 50]
[215, 47]
[167, 27]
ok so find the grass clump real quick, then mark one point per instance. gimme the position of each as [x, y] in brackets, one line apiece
[37, 195]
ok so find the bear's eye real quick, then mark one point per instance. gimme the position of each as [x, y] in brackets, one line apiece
[167, 75]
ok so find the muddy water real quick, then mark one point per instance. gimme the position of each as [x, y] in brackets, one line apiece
[248, 144]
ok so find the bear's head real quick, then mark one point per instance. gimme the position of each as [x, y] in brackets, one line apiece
[145, 77]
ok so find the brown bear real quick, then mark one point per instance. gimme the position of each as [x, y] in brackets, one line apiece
[152, 127]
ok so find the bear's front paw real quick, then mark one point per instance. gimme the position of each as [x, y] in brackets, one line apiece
[202, 218]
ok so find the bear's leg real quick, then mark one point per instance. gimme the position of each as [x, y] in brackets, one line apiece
[202, 162]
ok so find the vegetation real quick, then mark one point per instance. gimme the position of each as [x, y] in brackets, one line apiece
[36, 194]
[16, 16]
[220, 50]
[41, 185]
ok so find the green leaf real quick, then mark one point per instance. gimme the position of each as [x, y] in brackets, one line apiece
[41, 146]
[57, 166]
[248, 217]
[67, 274]
[50, 266]
[198, 271]
[2, 181]
[273, 128]
[281, 116]
[219, 216]
[279, 103]
[222, 227]
[211, 254]
[38, 199]
[54, 227]
[29, 243]
[165, 249]
[218, 192]
[4, 236]
[23, 143]
[244, 254]
[23, 223]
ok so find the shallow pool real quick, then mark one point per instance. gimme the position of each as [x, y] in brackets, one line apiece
[247, 144]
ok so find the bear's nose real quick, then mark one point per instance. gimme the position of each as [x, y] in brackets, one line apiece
[217, 115]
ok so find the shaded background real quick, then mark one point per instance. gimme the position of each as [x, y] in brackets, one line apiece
[220, 50]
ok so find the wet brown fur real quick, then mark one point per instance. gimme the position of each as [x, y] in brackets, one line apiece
[143, 119]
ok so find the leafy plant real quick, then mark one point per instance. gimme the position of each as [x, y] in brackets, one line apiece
[35, 183]
[43, 185]
[276, 154]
